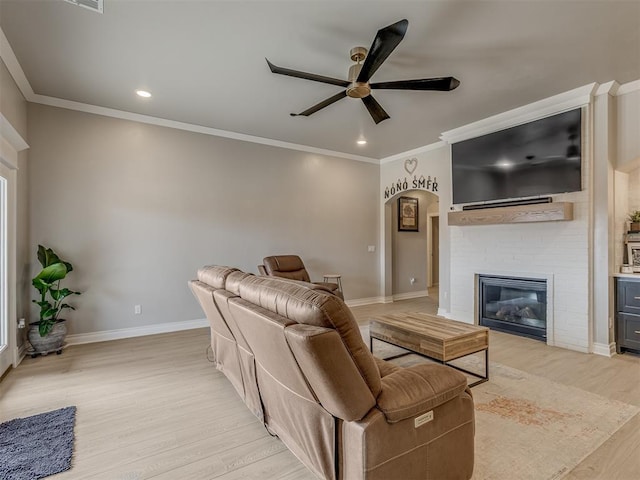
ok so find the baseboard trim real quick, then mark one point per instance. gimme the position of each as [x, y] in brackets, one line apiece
[22, 352]
[358, 302]
[570, 346]
[443, 313]
[121, 333]
[604, 349]
[409, 295]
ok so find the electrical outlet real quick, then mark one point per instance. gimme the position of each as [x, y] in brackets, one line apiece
[137, 309]
[412, 280]
[21, 323]
[371, 248]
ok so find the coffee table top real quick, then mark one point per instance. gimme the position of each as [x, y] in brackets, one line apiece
[436, 337]
[430, 325]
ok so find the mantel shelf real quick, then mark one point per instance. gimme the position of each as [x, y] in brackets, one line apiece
[542, 212]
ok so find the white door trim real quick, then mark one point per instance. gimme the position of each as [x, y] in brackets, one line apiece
[11, 143]
[430, 247]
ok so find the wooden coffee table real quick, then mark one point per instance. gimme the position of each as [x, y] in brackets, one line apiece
[433, 337]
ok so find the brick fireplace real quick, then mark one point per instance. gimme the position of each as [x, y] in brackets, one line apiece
[556, 252]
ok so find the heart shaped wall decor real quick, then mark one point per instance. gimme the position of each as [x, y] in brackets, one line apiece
[410, 165]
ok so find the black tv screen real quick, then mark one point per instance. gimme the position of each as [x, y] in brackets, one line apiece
[537, 158]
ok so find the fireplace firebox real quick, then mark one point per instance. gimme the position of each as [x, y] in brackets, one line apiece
[514, 305]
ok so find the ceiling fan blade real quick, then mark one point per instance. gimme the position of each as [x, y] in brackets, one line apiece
[387, 39]
[442, 84]
[307, 76]
[321, 105]
[375, 110]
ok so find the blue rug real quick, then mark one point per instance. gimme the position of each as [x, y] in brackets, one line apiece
[37, 446]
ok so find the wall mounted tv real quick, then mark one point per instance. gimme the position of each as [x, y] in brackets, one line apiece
[537, 158]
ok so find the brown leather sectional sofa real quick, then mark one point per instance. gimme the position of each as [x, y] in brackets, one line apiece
[294, 353]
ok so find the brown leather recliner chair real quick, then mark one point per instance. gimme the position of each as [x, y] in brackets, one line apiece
[292, 267]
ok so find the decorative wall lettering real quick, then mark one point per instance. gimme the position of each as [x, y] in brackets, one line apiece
[411, 184]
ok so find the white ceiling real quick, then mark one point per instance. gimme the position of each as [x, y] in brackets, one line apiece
[204, 61]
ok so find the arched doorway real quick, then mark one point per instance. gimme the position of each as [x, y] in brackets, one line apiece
[409, 254]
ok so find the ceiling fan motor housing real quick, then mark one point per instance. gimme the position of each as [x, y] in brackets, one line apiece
[357, 89]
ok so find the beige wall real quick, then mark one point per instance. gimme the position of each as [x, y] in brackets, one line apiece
[14, 108]
[139, 208]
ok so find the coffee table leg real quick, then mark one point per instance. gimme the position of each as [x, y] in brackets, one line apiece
[483, 378]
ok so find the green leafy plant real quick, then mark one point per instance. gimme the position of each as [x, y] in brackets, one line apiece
[634, 217]
[52, 296]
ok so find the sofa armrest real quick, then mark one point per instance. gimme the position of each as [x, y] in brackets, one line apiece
[417, 389]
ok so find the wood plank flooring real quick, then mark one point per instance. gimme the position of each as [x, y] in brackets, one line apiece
[154, 407]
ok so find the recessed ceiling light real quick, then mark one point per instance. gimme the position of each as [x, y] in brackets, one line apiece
[143, 93]
[361, 142]
[504, 163]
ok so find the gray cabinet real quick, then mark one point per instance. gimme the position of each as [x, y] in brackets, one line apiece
[628, 314]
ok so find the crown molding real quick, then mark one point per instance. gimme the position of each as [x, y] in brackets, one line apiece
[628, 87]
[562, 102]
[11, 142]
[163, 122]
[610, 88]
[11, 135]
[10, 60]
[410, 153]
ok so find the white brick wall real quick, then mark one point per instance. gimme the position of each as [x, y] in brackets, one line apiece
[558, 251]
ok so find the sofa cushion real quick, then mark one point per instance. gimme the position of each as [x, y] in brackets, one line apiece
[215, 275]
[414, 390]
[233, 280]
[385, 367]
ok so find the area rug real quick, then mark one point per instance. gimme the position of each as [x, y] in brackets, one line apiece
[529, 427]
[37, 446]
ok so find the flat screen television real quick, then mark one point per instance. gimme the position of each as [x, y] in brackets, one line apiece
[537, 158]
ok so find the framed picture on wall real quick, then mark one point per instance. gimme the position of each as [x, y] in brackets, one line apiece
[633, 255]
[407, 214]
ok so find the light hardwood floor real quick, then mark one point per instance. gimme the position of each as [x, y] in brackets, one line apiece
[154, 407]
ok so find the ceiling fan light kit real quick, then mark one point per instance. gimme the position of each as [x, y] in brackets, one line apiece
[358, 86]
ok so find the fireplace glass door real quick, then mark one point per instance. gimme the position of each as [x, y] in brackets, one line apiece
[514, 305]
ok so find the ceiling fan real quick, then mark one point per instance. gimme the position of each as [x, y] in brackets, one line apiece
[358, 86]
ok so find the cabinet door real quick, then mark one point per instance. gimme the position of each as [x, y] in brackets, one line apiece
[629, 296]
[629, 331]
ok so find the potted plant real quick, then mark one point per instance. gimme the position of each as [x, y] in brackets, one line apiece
[48, 333]
[634, 218]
